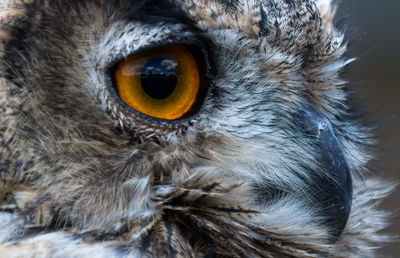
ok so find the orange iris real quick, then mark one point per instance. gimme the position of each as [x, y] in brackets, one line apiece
[162, 82]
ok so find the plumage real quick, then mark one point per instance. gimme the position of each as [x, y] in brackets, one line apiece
[272, 164]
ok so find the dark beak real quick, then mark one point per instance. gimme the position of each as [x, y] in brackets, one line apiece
[332, 186]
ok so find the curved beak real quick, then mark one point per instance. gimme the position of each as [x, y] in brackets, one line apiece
[332, 188]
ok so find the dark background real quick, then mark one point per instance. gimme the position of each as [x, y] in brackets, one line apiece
[374, 27]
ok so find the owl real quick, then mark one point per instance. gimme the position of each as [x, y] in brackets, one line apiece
[181, 128]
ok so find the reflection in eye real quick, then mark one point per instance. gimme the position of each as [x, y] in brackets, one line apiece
[158, 77]
[163, 82]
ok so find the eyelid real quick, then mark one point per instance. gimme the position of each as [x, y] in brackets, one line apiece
[125, 40]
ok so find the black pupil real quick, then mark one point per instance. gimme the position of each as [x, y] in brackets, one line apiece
[158, 77]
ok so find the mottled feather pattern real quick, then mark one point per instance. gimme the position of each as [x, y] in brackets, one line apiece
[80, 175]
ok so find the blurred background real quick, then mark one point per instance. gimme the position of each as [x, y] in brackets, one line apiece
[374, 27]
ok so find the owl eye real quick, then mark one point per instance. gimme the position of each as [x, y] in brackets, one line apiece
[163, 82]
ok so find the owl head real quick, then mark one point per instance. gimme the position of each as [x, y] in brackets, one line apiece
[181, 128]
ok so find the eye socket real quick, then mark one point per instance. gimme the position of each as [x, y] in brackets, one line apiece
[163, 82]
